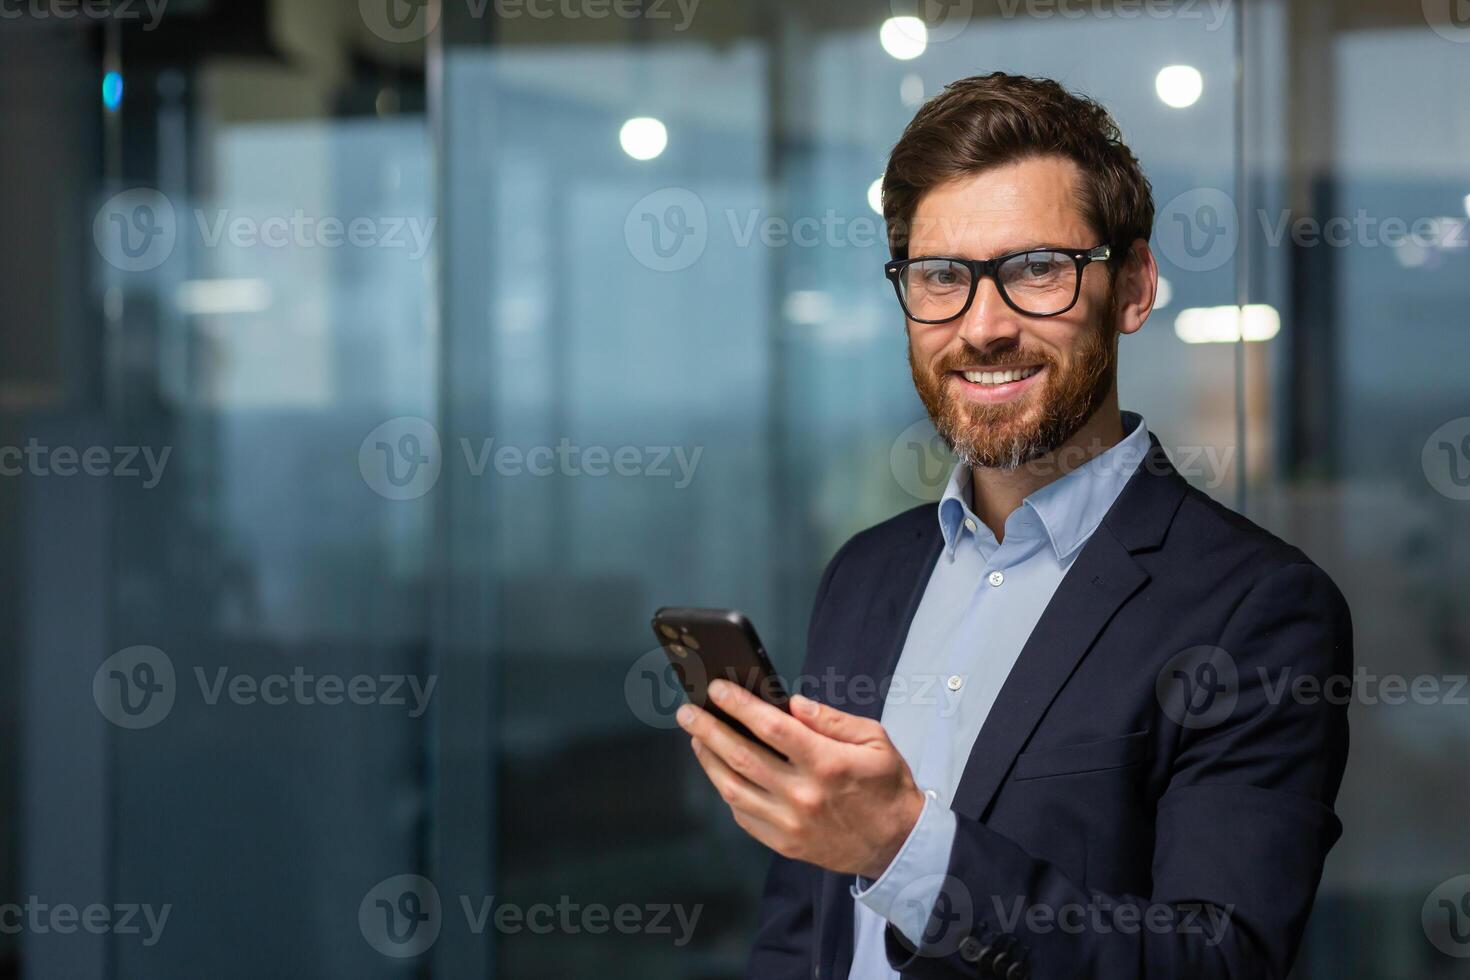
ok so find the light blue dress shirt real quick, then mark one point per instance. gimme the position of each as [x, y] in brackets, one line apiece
[978, 609]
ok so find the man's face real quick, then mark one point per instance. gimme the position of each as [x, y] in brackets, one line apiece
[1064, 365]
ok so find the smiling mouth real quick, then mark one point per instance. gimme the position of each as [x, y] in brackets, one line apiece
[994, 378]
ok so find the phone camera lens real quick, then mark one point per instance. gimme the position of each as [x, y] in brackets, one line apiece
[668, 631]
[689, 641]
[678, 650]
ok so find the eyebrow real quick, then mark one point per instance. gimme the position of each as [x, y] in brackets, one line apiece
[1037, 247]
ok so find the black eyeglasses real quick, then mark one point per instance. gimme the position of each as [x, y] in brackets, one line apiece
[1036, 282]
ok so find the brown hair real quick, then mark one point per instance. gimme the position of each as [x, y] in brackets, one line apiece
[988, 120]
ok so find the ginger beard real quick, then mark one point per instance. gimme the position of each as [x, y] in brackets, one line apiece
[1008, 434]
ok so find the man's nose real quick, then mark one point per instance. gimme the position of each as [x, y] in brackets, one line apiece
[989, 322]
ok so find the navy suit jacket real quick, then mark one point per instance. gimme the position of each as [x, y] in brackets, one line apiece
[1151, 794]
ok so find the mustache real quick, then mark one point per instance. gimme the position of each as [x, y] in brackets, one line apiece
[972, 358]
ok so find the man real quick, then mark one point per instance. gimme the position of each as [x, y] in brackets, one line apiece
[1112, 777]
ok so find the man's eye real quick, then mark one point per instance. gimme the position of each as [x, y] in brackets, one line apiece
[943, 277]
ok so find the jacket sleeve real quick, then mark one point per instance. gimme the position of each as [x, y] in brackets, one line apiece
[1241, 833]
[784, 947]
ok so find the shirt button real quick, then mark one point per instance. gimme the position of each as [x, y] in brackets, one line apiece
[996, 577]
[931, 794]
[955, 682]
[969, 525]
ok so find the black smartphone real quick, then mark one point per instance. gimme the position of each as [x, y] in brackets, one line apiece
[706, 644]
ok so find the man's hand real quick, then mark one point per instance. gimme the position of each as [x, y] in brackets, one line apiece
[845, 801]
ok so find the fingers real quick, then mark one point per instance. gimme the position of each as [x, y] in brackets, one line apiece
[751, 760]
[743, 796]
[829, 721]
[768, 723]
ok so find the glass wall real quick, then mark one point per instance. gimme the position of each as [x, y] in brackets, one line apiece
[422, 350]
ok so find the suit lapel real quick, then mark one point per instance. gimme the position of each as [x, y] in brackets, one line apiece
[1100, 580]
[1103, 577]
[891, 612]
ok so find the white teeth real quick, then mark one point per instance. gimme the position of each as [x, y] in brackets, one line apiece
[999, 377]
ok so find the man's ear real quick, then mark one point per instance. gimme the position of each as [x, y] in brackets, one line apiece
[1136, 287]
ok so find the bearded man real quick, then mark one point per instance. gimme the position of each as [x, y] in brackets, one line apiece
[1091, 759]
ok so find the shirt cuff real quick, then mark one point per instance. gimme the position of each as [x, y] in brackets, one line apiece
[907, 890]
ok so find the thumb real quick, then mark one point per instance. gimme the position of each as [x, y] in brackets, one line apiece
[827, 720]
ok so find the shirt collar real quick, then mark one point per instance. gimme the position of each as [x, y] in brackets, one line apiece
[1070, 507]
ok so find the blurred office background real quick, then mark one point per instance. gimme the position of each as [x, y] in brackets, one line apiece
[332, 257]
